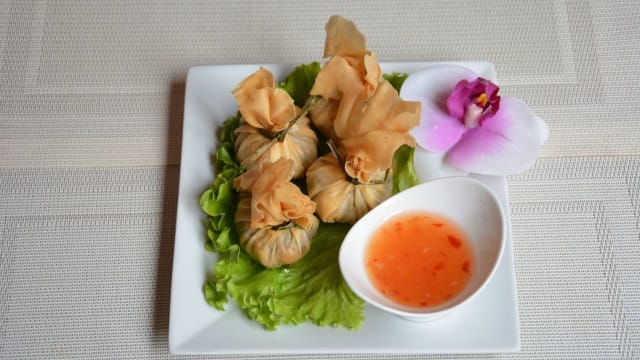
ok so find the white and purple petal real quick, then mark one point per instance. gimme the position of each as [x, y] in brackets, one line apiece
[438, 131]
[438, 134]
[504, 144]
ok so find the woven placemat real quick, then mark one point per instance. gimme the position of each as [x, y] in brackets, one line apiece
[91, 98]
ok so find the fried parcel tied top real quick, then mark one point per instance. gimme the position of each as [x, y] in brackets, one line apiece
[366, 121]
[362, 113]
[274, 218]
[261, 104]
[269, 112]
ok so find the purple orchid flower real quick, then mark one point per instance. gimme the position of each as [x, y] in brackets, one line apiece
[463, 116]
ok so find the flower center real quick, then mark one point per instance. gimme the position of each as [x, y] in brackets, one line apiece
[482, 100]
[474, 112]
[471, 102]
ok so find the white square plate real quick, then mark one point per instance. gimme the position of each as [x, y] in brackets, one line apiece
[487, 324]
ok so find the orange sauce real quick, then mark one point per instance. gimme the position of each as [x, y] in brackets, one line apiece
[419, 259]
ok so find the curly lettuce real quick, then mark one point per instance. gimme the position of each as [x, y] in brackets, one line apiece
[299, 83]
[310, 290]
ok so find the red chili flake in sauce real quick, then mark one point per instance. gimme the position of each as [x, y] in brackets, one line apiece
[419, 259]
[454, 241]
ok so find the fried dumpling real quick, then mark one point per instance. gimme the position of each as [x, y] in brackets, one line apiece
[261, 104]
[299, 145]
[275, 200]
[338, 199]
[275, 220]
[362, 113]
[267, 113]
[274, 246]
[369, 144]
[349, 78]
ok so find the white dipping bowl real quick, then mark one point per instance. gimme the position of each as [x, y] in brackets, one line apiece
[465, 201]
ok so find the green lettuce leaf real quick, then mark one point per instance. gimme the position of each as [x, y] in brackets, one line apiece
[219, 201]
[300, 81]
[404, 173]
[396, 79]
[310, 290]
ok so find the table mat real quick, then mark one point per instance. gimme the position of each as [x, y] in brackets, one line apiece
[91, 103]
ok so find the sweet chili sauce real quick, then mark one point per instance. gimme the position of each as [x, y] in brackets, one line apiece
[419, 259]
